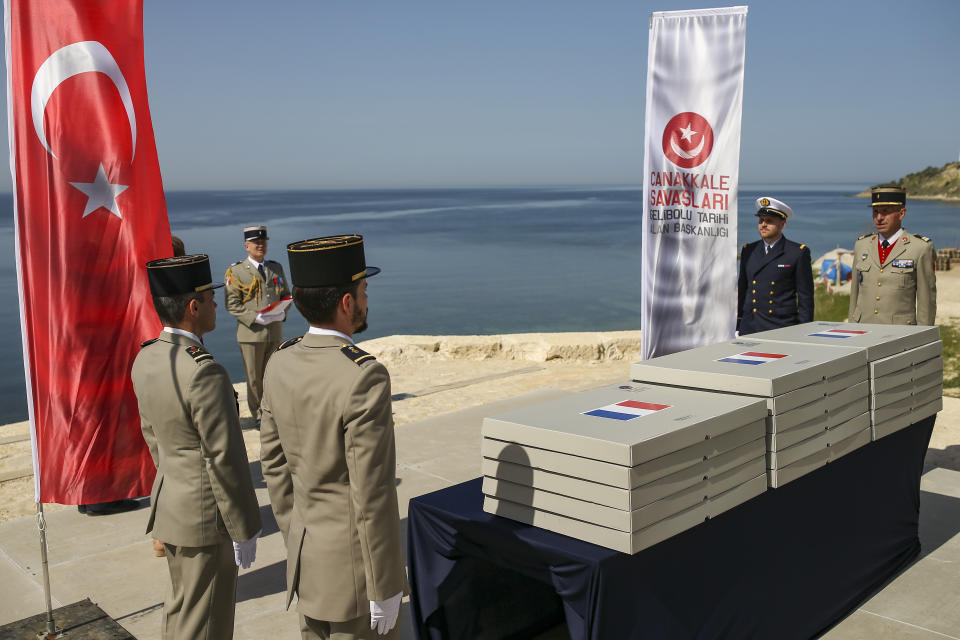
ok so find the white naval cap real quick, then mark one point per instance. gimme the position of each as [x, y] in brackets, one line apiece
[771, 206]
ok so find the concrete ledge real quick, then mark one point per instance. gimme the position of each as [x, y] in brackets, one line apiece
[534, 347]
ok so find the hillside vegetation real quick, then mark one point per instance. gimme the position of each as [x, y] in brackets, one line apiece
[932, 183]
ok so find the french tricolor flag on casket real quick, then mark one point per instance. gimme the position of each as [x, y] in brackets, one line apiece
[89, 212]
[753, 357]
[626, 410]
[837, 333]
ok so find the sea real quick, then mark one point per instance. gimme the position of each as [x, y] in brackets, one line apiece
[466, 261]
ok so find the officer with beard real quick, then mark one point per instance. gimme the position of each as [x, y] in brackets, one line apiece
[328, 455]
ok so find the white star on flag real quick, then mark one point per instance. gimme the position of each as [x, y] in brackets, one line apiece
[688, 133]
[100, 193]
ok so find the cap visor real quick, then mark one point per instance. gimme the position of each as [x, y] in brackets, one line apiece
[371, 271]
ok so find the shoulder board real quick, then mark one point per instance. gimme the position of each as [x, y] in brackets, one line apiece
[924, 238]
[148, 342]
[289, 343]
[866, 235]
[199, 354]
[233, 264]
[356, 354]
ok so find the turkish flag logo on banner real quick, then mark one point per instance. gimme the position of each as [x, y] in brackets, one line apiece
[89, 212]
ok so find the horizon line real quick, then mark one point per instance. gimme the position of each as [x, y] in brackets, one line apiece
[484, 186]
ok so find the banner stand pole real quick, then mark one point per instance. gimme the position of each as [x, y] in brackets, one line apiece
[52, 631]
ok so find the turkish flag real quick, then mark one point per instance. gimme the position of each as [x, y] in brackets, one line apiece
[90, 212]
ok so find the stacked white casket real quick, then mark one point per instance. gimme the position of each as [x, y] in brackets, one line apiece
[624, 466]
[817, 397]
[905, 364]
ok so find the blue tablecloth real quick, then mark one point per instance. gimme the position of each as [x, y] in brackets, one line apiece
[788, 564]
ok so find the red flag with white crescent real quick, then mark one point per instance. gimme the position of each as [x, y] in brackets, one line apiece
[89, 211]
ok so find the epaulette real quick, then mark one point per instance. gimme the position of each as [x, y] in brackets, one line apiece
[924, 238]
[199, 354]
[289, 343]
[802, 247]
[745, 245]
[866, 235]
[233, 264]
[356, 354]
[148, 342]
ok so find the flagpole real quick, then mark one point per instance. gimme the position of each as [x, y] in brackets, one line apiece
[51, 631]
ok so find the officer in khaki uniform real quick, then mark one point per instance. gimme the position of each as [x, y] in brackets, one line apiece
[893, 277]
[327, 452]
[252, 286]
[202, 507]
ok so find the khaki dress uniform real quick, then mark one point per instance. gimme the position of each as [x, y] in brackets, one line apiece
[203, 496]
[328, 456]
[247, 292]
[901, 290]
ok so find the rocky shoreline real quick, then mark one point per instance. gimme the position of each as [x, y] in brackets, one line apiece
[932, 183]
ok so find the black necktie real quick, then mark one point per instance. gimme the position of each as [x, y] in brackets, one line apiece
[885, 244]
[263, 274]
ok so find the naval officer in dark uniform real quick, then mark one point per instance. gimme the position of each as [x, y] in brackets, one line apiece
[775, 287]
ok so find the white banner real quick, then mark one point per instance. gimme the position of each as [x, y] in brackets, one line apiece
[691, 172]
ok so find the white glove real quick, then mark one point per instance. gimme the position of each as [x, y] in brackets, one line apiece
[736, 334]
[244, 553]
[267, 318]
[383, 613]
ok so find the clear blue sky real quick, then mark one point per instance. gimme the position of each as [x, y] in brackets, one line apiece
[316, 94]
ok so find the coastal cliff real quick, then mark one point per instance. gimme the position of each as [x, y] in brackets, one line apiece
[930, 184]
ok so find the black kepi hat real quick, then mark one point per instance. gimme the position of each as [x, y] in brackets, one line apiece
[888, 195]
[328, 262]
[180, 275]
[255, 233]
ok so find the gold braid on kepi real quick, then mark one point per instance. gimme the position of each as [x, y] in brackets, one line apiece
[180, 275]
[244, 292]
[328, 261]
[329, 242]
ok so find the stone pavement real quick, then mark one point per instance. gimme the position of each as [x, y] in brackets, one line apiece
[439, 408]
[110, 560]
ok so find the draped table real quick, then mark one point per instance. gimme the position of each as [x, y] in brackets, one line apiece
[789, 563]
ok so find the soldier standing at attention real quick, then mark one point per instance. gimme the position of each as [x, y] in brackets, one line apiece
[775, 287]
[327, 452]
[253, 285]
[202, 506]
[893, 280]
